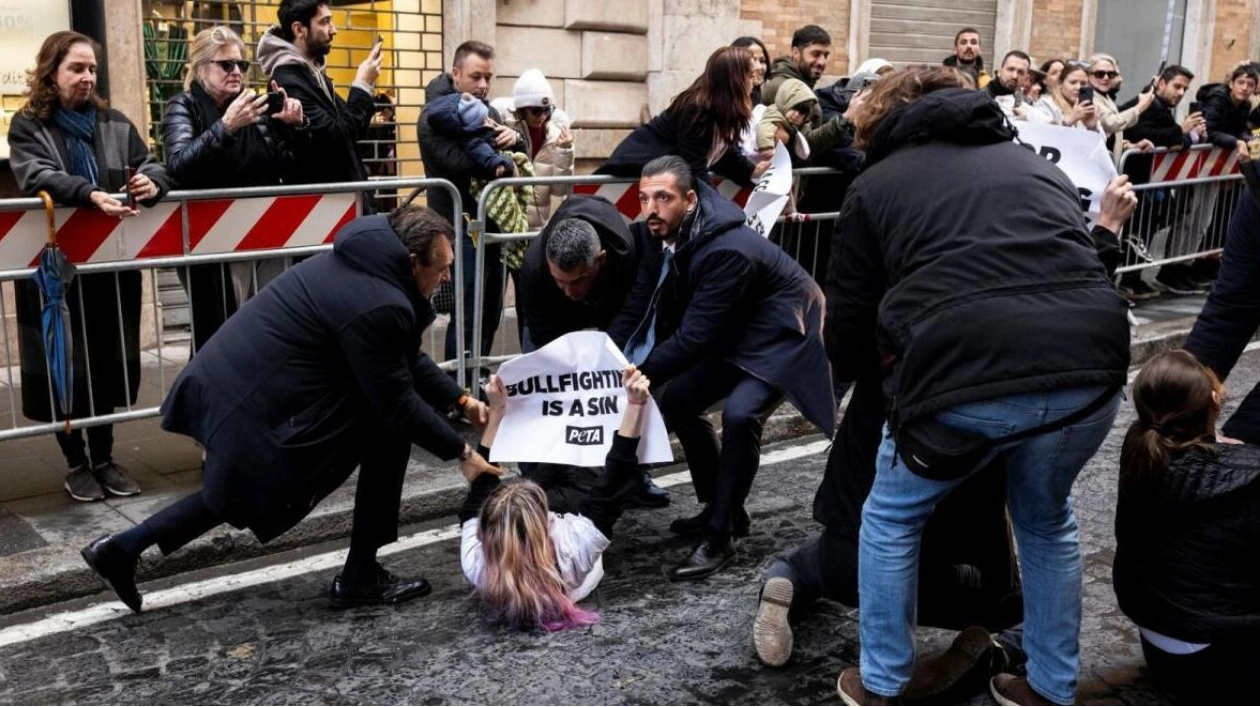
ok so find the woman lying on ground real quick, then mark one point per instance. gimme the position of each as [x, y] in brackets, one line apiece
[531, 565]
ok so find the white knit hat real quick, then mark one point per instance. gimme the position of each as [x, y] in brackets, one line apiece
[532, 89]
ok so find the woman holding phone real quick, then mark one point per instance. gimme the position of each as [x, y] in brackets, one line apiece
[67, 141]
[1071, 103]
[217, 133]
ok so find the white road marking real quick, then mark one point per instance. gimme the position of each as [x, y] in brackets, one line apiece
[193, 591]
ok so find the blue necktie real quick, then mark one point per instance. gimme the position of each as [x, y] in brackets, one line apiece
[644, 338]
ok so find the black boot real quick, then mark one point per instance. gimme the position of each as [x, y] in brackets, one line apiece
[715, 552]
[380, 587]
[115, 567]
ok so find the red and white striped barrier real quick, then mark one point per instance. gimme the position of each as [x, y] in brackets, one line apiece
[1193, 164]
[626, 196]
[214, 226]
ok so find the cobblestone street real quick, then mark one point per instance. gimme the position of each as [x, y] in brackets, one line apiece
[657, 643]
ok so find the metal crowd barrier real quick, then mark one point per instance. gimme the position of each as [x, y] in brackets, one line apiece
[1185, 201]
[800, 234]
[186, 228]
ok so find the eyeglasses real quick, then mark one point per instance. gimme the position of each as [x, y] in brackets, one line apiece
[1105, 74]
[228, 64]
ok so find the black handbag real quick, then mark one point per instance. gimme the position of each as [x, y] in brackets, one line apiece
[936, 451]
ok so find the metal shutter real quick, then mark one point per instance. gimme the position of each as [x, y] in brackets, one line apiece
[922, 31]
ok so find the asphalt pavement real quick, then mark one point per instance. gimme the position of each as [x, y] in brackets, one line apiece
[262, 631]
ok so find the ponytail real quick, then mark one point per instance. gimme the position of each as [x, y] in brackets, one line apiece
[1177, 401]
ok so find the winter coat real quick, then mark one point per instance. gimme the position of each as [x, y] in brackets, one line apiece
[551, 160]
[1111, 118]
[975, 70]
[322, 361]
[1231, 315]
[1186, 547]
[1053, 113]
[692, 140]
[920, 279]
[445, 157]
[779, 72]
[200, 154]
[733, 295]
[335, 124]
[1158, 125]
[40, 161]
[477, 142]
[547, 312]
[1226, 122]
[791, 94]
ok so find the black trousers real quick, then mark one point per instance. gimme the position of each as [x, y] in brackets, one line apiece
[722, 473]
[100, 446]
[1224, 673]
[951, 596]
[377, 495]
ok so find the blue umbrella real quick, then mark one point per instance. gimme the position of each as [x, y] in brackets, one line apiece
[53, 277]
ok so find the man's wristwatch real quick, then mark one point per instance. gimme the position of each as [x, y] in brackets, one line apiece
[463, 400]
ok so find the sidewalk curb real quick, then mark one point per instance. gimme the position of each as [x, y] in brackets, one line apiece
[432, 491]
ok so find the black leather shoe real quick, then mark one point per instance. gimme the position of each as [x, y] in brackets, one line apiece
[709, 557]
[384, 588]
[115, 568]
[699, 524]
[649, 495]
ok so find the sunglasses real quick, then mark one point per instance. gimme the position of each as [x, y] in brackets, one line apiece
[532, 110]
[1105, 74]
[228, 64]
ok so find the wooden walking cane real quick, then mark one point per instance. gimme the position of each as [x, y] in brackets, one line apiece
[50, 215]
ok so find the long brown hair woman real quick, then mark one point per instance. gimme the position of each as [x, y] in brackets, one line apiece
[65, 140]
[702, 124]
[1188, 535]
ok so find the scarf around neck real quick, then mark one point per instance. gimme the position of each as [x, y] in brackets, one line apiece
[77, 127]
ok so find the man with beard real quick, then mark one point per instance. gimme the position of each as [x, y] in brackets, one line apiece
[811, 47]
[294, 53]
[967, 58]
[725, 314]
[444, 157]
[1007, 89]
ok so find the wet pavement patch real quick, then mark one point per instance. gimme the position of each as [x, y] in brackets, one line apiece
[16, 535]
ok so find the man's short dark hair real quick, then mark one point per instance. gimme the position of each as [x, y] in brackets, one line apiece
[1171, 72]
[481, 49]
[1018, 55]
[1247, 69]
[672, 164]
[572, 243]
[810, 34]
[291, 11]
[965, 30]
[418, 228]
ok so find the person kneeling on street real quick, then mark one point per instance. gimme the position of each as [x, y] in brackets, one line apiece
[319, 374]
[530, 564]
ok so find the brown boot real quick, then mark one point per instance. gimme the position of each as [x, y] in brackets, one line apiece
[932, 676]
[1010, 690]
[853, 692]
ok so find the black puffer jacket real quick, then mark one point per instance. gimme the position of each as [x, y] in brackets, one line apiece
[957, 298]
[201, 154]
[1188, 550]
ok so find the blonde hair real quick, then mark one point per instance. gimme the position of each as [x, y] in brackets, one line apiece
[1104, 57]
[204, 46]
[522, 584]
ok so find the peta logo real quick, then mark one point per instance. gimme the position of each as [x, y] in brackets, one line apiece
[584, 436]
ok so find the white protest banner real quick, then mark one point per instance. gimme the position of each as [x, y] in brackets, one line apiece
[565, 403]
[771, 193]
[1081, 154]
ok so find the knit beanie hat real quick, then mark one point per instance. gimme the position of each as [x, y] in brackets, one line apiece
[472, 113]
[532, 89]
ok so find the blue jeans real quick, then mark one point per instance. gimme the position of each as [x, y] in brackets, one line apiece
[1040, 473]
